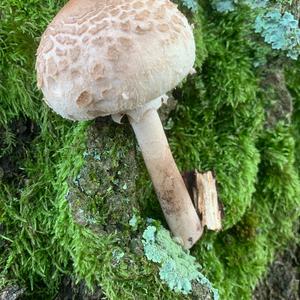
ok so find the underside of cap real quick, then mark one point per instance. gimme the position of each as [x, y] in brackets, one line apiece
[107, 57]
[137, 114]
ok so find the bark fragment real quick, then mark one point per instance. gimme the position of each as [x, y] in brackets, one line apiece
[203, 190]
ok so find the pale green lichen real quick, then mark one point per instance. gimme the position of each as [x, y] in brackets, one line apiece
[178, 269]
[117, 255]
[133, 221]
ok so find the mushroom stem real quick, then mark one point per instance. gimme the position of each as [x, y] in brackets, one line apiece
[173, 196]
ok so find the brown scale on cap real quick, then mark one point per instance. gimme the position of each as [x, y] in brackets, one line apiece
[62, 65]
[62, 39]
[52, 67]
[84, 99]
[144, 27]
[74, 53]
[115, 12]
[70, 29]
[160, 13]
[175, 28]
[99, 18]
[65, 40]
[137, 5]
[82, 29]
[97, 71]
[70, 20]
[113, 53]
[99, 27]
[124, 15]
[142, 16]
[85, 39]
[75, 74]
[163, 27]
[60, 52]
[98, 41]
[106, 91]
[125, 42]
[48, 46]
[125, 26]
[109, 40]
[150, 2]
[126, 7]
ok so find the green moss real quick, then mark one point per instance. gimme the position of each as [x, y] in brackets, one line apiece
[293, 83]
[220, 115]
[29, 214]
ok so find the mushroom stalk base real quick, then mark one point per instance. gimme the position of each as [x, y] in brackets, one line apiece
[168, 183]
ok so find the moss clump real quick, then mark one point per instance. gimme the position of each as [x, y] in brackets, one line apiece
[29, 213]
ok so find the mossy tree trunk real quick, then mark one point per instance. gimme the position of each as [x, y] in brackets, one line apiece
[75, 197]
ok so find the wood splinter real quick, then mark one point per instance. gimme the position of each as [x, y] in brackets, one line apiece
[203, 191]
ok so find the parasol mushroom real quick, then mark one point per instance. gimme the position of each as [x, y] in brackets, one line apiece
[117, 57]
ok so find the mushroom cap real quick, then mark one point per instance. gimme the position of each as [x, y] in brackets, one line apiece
[98, 58]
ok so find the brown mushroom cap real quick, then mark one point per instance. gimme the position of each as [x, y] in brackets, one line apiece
[98, 58]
